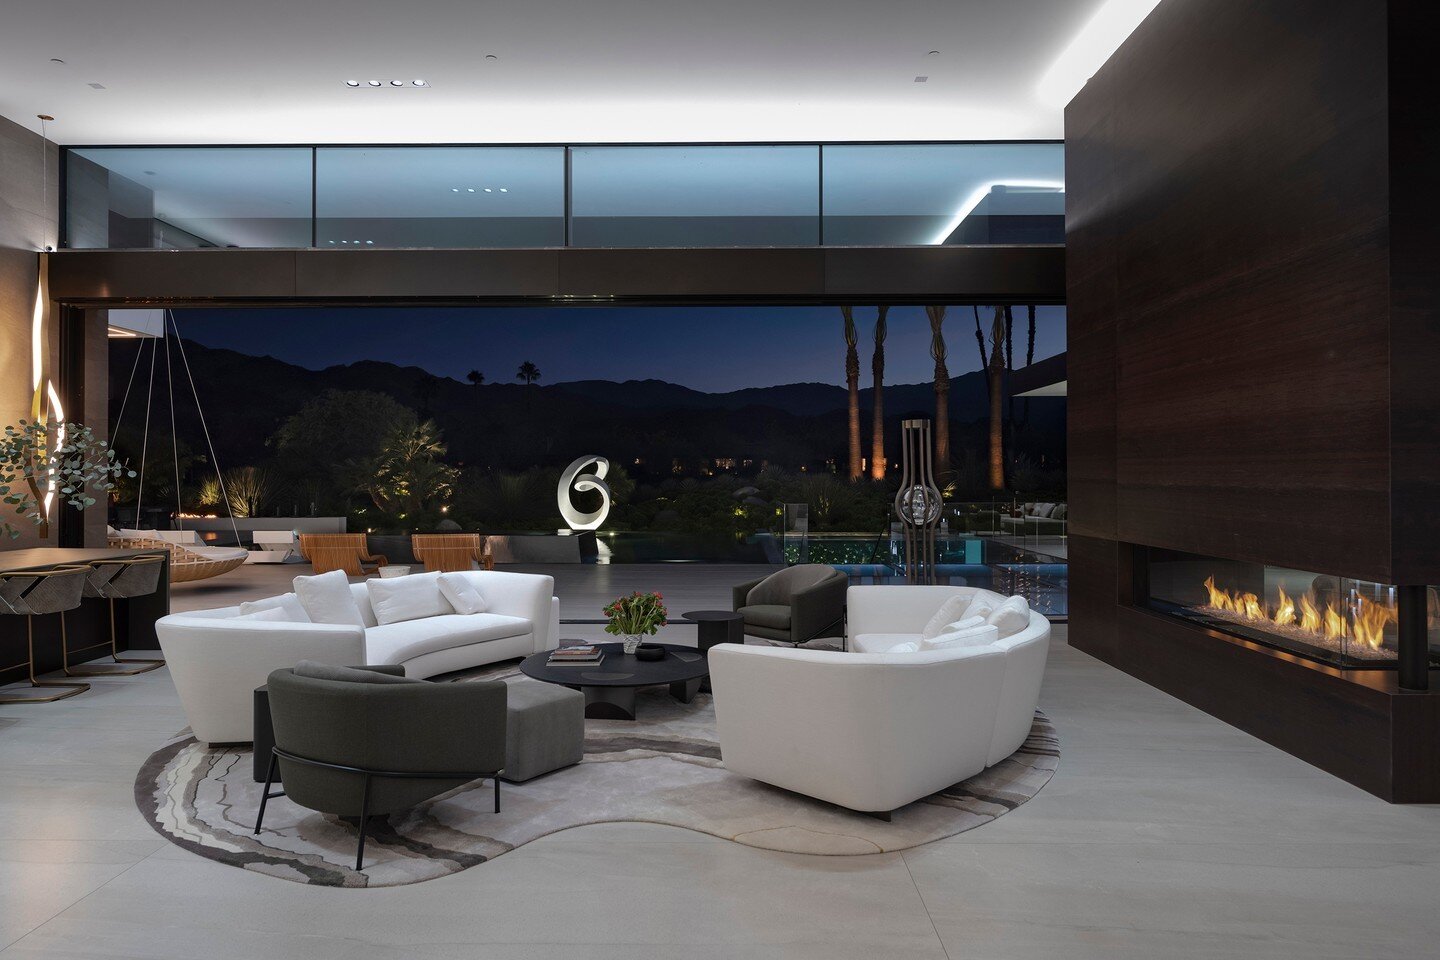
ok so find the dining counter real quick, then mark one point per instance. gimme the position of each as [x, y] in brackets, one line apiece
[87, 626]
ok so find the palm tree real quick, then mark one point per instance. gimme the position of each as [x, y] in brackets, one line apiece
[852, 382]
[528, 372]
[877, 368]
[475, 377]
[1029, 355]
[942, 390]
[997, 422]
[408, 474]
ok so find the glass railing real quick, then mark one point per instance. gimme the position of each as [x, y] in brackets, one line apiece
[678, 195]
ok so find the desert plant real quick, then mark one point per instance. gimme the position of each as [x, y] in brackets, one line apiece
[43, 463]
[246, 491]
[528, 373]
[877, 369]
[942, 389]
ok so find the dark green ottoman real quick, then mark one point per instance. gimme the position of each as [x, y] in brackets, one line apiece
[544, 729]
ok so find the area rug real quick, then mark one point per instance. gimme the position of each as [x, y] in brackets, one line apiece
[663, 768]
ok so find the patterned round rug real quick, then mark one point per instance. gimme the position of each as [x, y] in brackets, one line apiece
[662, 768]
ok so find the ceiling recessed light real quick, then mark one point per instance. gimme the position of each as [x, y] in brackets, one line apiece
[370, 243]
[56, 60]
[454, 189]
[933, 53]
[922, 79]
[352, 83]
[96, 86]
[487, 190]
[503, 190]
[491, 56]
[397, 83]
[373, 83]
[419, 83]
[148, 173]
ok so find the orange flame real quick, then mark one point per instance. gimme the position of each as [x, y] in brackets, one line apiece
[1366, 622]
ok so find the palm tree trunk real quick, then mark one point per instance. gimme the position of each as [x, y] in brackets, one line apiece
[1029, 356]
[877, 429]
[942, 390]
[852, 383]
[997, 420]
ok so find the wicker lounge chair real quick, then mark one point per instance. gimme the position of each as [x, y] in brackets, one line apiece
[448, 552]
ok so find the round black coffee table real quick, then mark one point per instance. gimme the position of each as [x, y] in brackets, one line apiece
[609, 686]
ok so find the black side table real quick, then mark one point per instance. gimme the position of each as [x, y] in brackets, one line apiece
[264, 733]
[712, 627]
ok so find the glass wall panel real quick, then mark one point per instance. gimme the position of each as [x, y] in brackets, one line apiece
[440, 196]
[949, 193]
[183, 197]
[695, 196]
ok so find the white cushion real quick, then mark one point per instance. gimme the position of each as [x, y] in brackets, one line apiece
[288, 602]
[1010, 617]
[398, 642]
[951, 610]
[964, 624]
[272, 614]
[881, 642]
[461, 594]
[909, 646]
[981, 606]
[971, 637]
[327, 599]
[415, 597]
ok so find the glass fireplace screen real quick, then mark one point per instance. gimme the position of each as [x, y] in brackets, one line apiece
[1337, 620]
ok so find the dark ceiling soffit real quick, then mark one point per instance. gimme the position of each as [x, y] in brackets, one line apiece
[800, 275]
[1041, 373]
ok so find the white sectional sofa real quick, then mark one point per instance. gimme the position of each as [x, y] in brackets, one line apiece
[874, 731]
[218, 657]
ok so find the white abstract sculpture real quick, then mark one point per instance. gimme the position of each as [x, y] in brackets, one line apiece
[572, 477]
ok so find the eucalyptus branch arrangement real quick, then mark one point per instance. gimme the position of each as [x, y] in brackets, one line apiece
[43, 463]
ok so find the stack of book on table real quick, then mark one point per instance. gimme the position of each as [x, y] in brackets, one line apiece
[587, 654]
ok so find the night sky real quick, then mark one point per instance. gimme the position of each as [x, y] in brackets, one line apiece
[714, 349]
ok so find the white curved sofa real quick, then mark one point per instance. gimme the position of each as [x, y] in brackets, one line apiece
[217, 658]
[875, 731]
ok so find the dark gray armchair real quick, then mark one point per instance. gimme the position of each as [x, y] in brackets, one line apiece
[364, 742]
[797, 604]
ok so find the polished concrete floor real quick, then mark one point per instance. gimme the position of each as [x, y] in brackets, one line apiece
[1165, 834]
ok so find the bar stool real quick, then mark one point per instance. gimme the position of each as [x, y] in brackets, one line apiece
[117, 580]
[36, 593]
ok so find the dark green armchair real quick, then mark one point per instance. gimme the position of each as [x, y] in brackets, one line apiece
[363, 742]
[797, 604]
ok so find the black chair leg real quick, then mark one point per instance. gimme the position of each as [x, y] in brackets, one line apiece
[364, 822]
[265, 796]
[497, 793]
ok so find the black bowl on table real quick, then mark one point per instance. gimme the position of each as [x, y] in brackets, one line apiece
[649, 651]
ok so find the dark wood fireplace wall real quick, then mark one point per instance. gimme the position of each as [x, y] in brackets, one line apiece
[1253, 337]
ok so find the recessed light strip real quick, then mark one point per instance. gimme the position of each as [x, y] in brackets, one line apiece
[974, 200]
[1092, 46]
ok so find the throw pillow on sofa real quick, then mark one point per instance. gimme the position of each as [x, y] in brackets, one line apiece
[981, 607]
[909, 646]
[1010, 617]
[951, 610]
[972, 637]
[289, 603]
[407, 598]
[461, 594]
[269, 615]
[327, 599]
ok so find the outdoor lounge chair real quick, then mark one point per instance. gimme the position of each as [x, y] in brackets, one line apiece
[449, 552]
[339, 551]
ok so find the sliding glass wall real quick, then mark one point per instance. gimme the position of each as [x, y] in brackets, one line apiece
[741, 195]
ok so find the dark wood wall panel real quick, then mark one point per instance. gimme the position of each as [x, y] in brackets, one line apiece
[1414, 295]
[1229, 243]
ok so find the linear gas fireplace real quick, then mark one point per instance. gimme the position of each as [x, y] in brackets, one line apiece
[1336, 620]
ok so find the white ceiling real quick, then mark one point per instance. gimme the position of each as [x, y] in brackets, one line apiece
[273, 71]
